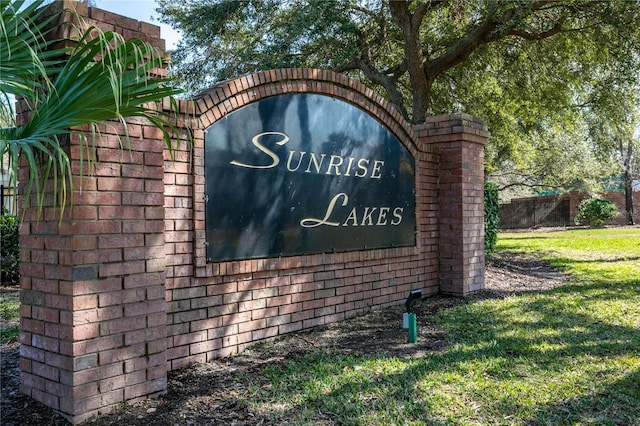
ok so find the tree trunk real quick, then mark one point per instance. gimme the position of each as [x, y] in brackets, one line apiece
[628, 194]
[410, 26]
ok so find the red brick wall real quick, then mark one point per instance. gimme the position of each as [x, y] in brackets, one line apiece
[75, 15]
[120, 292]
[229, 305]
[94, 312]
[617, 198]
[559, 210]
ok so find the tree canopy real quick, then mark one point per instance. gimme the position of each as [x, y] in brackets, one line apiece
[529, 68]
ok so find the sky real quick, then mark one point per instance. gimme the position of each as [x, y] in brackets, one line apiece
[142, 10]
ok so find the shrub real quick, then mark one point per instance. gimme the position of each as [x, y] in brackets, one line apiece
[9, 250]
[491, 216]
[595, 211]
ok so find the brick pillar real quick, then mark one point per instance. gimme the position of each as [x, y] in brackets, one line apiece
[460, 139]
[93, 309]
[93, 326]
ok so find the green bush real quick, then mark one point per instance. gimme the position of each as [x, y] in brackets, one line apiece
[595, 211]
[491, 216]
[9, 250]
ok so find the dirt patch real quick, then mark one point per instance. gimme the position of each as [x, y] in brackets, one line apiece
[211, 394]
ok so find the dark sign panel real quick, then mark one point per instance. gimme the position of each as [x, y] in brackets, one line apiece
[305, 173]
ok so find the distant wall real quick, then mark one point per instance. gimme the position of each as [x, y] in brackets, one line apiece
[558, 210]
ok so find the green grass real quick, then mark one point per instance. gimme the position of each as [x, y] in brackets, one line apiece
[570, 356]
[9, 334]
[9, 313]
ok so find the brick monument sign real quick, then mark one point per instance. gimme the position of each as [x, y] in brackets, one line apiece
[292, 198]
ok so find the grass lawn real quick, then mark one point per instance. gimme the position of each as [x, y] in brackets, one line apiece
[570, 356]
[9, 316]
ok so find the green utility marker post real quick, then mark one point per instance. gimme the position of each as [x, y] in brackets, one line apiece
[411, 323]
[413, 329]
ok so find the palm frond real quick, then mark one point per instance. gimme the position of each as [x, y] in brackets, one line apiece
[26, 60]
[102, 77]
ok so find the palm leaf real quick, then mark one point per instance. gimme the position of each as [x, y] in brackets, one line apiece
[26, 60]
[103, 77]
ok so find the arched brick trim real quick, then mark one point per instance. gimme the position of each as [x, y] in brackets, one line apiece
[230, 95]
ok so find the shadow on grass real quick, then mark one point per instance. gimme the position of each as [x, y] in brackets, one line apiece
[564, 356]
[615, 404]
[617, 258]
[535, 359]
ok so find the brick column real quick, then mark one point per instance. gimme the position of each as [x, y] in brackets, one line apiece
[460, 139]
[93, 308]
[93, 326]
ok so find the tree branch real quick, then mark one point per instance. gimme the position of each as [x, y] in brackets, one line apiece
[410, 26]
[377, 77]
[460, 51]
[487, 32]
[396, 71]
[557, 28]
